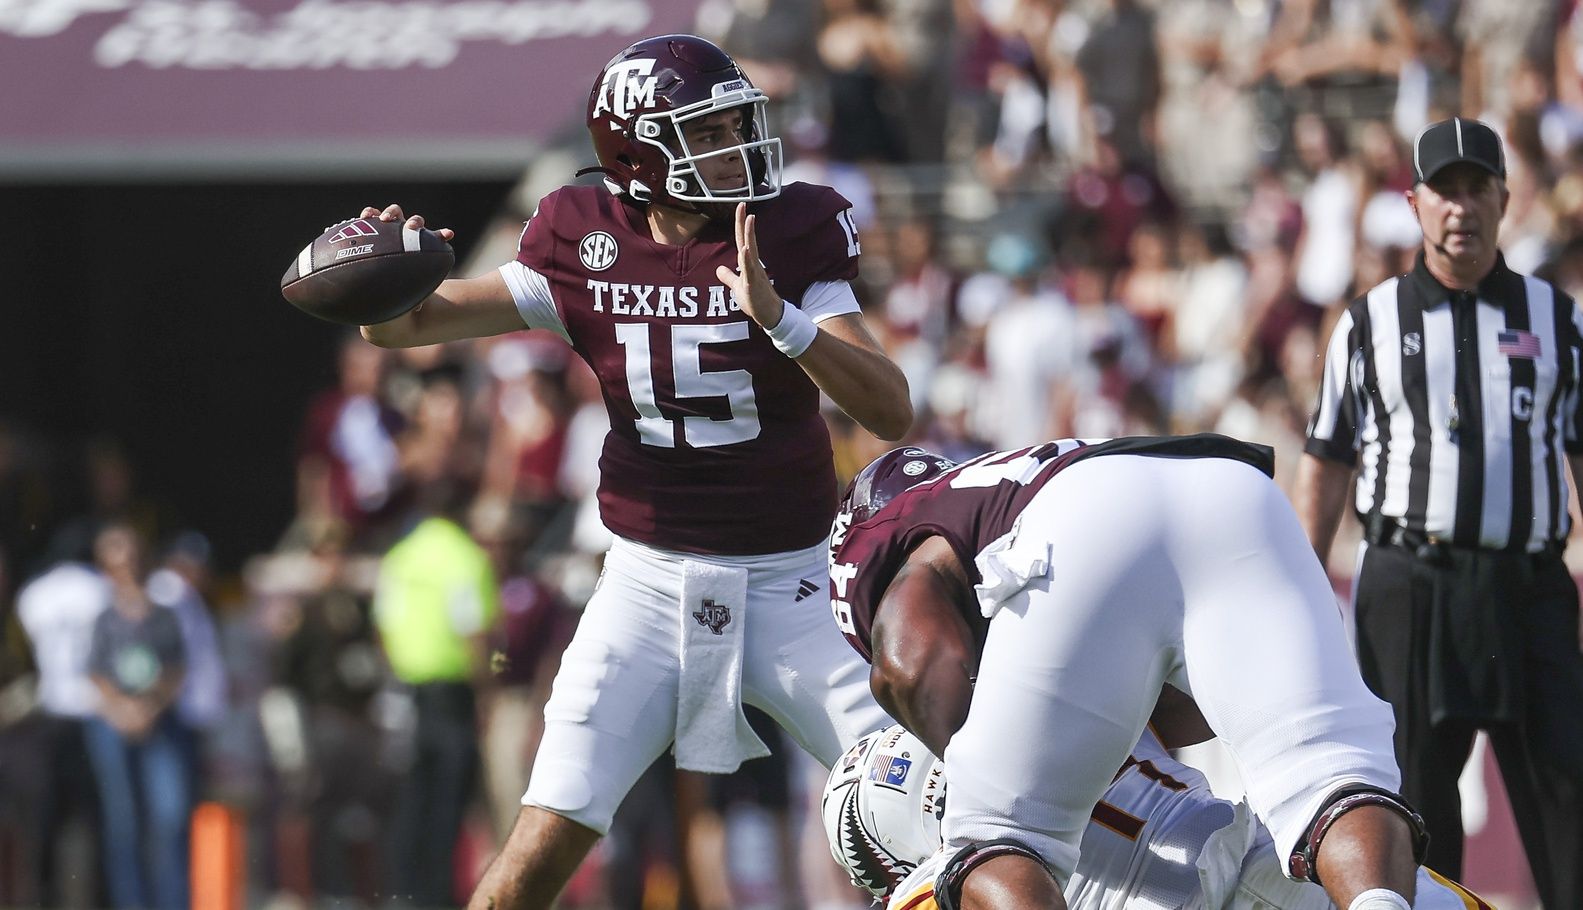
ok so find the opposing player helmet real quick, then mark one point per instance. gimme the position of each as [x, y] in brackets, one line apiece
[882, 807]
[647, 93]
[887, 477]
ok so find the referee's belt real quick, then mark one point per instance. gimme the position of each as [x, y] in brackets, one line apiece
[1383, 532]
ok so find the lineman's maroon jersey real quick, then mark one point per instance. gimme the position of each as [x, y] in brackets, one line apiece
[971, 506]
[716, 444]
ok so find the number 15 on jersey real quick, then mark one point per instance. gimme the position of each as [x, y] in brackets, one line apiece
[691, 381]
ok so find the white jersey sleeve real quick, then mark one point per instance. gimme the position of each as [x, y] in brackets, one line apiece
[825, 299]
[1157, 838]
[531, 293]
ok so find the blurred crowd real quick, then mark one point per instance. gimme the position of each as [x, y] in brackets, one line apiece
[1078, 218]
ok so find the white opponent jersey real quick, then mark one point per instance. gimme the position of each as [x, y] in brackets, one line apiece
[1160, 840]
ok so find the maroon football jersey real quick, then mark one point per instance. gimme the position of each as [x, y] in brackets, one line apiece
[971, 506]
[716, 444]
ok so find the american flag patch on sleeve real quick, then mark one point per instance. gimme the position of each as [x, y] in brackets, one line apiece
[1517, 343]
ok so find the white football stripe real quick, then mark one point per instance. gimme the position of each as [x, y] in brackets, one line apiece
[305, 261]
[410, 241]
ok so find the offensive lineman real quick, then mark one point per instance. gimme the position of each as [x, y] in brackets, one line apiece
[714, 306]
[1022, 611]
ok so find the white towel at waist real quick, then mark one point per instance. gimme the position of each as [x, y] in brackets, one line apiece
[1006, 566]
[712, 734]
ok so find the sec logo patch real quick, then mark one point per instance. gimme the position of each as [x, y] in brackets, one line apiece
[598, 251]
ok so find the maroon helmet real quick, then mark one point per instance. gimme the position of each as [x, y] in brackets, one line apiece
[887, 477]
[637, 108]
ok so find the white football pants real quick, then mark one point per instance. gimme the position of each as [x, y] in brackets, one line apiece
[614, 705]
[1192, 571]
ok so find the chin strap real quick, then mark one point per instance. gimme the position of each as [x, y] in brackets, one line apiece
[1304, 862]
[948, 885]
[722, 210]
[636, 191]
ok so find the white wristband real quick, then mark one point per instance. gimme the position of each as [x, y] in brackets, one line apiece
[1379, 899]
[794, 333]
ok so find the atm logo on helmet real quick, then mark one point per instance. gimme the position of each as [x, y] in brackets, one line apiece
[628, 86]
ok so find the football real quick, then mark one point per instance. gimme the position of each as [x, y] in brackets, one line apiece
[365, 271]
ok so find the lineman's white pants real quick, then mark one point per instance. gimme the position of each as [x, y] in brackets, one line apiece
[1193, 571]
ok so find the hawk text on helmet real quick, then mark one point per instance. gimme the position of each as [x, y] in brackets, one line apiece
[628, 86]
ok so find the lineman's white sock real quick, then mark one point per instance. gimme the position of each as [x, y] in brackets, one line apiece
[1379, 899]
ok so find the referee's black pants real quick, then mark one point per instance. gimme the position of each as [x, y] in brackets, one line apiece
[1538, 740]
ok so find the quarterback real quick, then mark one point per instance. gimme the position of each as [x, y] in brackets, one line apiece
[713, 304]
[1023, 610]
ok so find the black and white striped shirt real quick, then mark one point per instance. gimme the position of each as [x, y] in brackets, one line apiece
[1462, 404]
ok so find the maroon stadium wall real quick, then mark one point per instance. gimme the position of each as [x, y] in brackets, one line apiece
[178, 87]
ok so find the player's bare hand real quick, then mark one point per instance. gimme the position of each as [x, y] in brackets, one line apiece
[750, 284]
[393, 212]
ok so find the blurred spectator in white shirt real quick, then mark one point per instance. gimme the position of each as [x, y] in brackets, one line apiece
[57, 610]
[917, 308]
[1108, 394]
[1207, 325]
[1330, 206]
[956, 393]
[1028, 348]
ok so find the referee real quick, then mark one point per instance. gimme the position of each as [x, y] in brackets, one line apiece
[1458, 385]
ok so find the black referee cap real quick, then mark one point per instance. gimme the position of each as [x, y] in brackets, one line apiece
[1455, 140]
